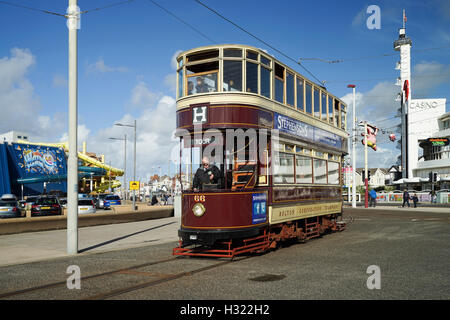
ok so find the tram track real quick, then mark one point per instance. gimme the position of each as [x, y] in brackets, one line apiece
[158, 278]
[94, 276]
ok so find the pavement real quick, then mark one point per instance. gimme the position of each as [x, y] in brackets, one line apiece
[37, 246]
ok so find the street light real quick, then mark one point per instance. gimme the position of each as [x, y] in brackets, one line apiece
[353, 147]
[134, 169]
[125, 166]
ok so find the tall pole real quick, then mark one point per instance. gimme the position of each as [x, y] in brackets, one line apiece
[125, 170]
[134, 170]
[72, 163]
[366, 171]
[353, 147]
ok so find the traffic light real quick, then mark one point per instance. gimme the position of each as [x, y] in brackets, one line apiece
[432, 176]
[364, 175]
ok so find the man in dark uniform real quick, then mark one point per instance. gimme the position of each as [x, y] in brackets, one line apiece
[206, 174]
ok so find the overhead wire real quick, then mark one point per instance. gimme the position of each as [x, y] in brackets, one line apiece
[260, 40]
[182, 21]
[32, 9]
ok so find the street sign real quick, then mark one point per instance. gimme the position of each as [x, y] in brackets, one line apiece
[134, 185]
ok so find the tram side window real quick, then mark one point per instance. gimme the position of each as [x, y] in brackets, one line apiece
[300, 95]
[303, 169]
[290, 88]
[252, 77]
[180, 83]
[232, 75]
[336, 113]
[316, 103]
[308, 95]
[324, 107]
[265, 82]
[320, 171]
[284, 168]
[333, 172]
[202, 78]
[343, 117]
[279, 83]
[330, 110]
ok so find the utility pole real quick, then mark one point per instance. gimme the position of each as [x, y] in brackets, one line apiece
[366, 171]
[353, 147]
[72, 163]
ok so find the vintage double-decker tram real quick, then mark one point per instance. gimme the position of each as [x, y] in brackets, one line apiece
[278, 140]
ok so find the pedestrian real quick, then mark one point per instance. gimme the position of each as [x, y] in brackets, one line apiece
[415, 199]
[405, 198]
[372, 198]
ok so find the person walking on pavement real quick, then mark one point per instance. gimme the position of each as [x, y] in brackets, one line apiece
[405, 198]
[415, 199]
[372, 198]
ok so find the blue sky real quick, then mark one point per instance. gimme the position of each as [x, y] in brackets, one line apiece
[126, 67]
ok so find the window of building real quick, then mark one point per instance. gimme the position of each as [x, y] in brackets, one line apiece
[290, 89]
[265, 81]
[300, 95]
[279, 83]
[303, 169]
[252, 77]
[232, 75]
[308, 96]
[316, 103]
[320, 171]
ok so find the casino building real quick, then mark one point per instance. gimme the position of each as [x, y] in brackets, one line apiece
[436, 158]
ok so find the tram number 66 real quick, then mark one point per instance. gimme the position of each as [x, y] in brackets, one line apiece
[199, 198]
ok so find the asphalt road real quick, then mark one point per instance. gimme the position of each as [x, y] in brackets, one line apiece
[410, 249]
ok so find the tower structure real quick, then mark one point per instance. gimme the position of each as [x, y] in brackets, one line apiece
[403, 45]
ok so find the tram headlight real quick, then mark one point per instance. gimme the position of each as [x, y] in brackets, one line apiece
[198, 209]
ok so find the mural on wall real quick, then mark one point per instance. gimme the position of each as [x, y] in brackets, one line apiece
[39, 159]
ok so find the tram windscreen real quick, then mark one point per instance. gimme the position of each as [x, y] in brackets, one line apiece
[211, 162]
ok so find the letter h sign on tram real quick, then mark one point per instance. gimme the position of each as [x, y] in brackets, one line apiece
[199, 114]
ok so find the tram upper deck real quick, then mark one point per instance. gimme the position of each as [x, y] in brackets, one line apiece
[238, 75]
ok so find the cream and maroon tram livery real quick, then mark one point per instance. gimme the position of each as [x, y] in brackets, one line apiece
[278, 140]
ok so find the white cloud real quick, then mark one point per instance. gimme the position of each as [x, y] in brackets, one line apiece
[100, 67]
[19, 105]
[59, 81]
[142, 96]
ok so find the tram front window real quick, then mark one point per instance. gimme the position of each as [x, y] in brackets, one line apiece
[210, 164]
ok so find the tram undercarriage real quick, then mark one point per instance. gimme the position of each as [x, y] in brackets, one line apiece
[269, 237]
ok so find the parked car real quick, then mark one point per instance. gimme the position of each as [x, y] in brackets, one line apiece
[99, 203]
[30, 201]
[111, 200]
[86, 205]
[63, 202]
[45, 206]
[9, 209]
